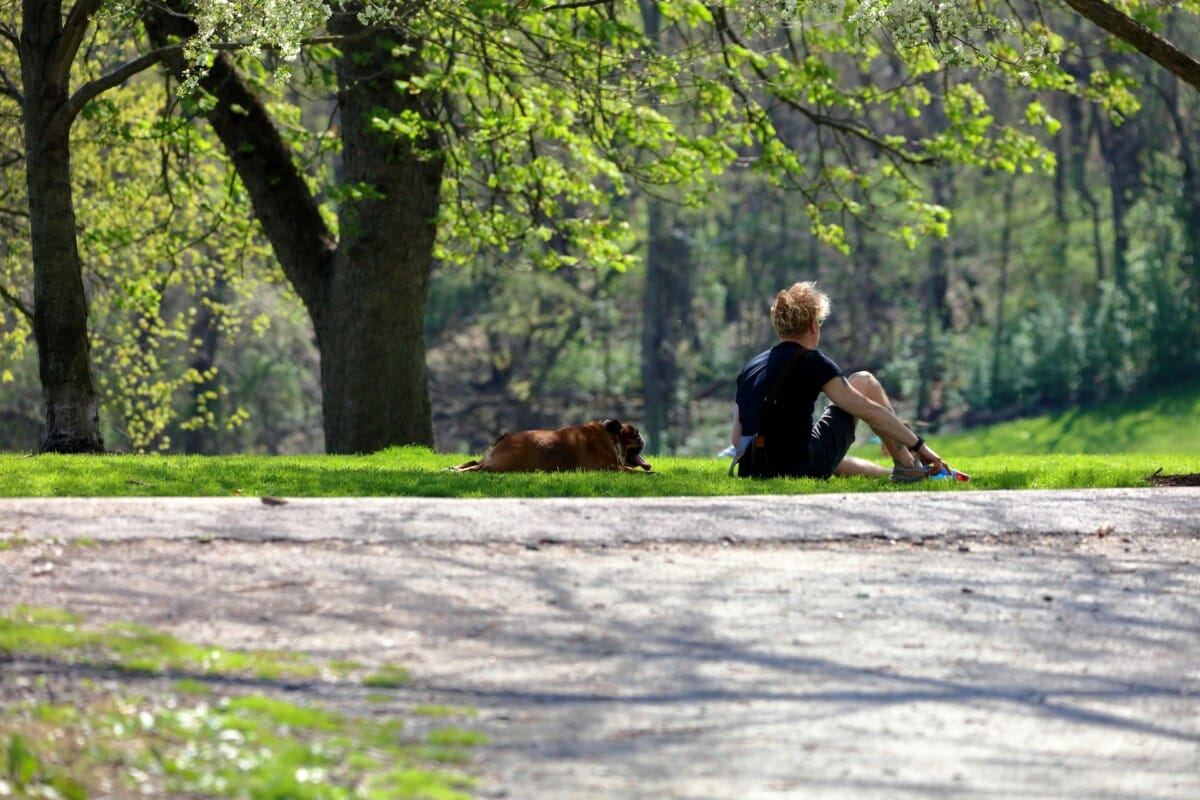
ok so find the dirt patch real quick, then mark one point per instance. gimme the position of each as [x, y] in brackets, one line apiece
[1158, 479]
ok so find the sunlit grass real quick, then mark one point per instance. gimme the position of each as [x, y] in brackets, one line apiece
[1116, 444]
[1164, 421]
[135, 648]
[389, 676]
[416, 472]
[444, 711]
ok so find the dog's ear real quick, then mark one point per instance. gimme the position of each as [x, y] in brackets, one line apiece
[613, 426]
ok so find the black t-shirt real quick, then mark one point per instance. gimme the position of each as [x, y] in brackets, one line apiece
[798, 394]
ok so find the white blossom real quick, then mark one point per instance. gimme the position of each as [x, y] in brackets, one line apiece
[277, 25]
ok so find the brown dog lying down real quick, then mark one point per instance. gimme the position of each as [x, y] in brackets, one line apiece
[599, 445]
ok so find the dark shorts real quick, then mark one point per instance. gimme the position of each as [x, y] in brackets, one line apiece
[832, 436]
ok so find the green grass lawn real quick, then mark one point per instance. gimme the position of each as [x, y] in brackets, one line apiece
[1118, 444]
[420, 473]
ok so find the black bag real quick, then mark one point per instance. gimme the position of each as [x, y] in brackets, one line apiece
[756, 461]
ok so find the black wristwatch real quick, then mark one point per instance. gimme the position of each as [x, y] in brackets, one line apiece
[918, 445]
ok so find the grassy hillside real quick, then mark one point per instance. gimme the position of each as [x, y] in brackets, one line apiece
[1164, 421]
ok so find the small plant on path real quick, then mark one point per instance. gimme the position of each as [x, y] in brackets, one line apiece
[128, 711]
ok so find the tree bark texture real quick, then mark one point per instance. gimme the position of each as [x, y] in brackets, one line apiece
[366, 294]
[59, 302]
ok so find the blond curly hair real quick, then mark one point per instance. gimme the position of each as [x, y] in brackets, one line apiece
[795, 309]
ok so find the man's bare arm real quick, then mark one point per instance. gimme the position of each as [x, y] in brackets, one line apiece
[881, 419]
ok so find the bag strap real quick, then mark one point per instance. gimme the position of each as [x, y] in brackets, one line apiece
[801, 351]
[773, 396]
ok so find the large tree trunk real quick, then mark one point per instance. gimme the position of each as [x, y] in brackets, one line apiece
[59, 302]
[366, 294]
[372, 331]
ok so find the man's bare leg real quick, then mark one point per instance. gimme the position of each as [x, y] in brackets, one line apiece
[851, 465]
[867, 384]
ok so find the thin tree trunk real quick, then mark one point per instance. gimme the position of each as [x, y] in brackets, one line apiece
[931, 401]
[859, 302]
[59, 302]
[1189, 201]
[1120, 147]
[1191, 219]
[1062, 229]
[203, 330]
[665, 320]
[667, 295]
[1080, 134]
[999, 332]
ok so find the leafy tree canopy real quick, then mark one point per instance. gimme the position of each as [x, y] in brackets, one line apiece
[548, 111]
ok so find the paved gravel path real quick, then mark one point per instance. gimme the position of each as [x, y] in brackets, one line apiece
[901, 645]
[594, 522]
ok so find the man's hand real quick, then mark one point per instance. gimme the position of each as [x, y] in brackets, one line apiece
[930, 458]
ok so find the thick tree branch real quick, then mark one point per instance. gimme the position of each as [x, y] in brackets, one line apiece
[94, 88]
[578, 4]
[74, 30]
[282, 200]
[1150, 43]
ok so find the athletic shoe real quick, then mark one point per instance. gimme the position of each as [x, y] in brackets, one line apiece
[914, 474]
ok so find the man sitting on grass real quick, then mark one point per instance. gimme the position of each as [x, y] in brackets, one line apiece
[773, 431]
